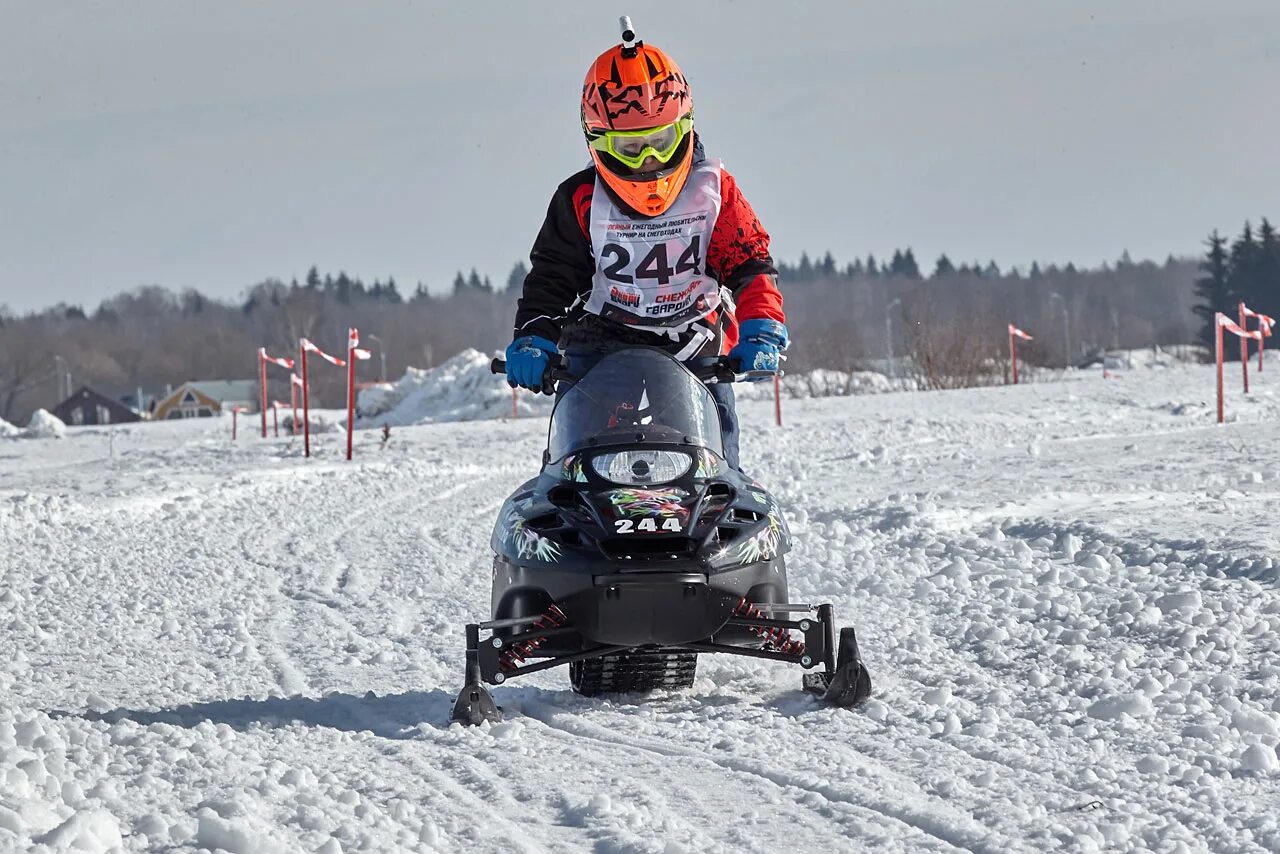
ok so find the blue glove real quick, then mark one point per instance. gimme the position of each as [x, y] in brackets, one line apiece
[760, 345]
[527, 360]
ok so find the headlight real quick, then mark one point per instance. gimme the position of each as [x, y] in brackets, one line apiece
[641, 468]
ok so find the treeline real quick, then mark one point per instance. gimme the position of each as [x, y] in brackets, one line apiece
[1246, 269]
[842, 316]
[942, 325]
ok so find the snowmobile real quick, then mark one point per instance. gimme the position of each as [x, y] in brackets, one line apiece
[637, 548]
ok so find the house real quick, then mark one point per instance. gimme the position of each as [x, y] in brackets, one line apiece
[206, 398]
[87, 406]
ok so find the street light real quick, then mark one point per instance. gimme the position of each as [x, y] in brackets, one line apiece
[888, 332]
[382, 355]
[1066, 325]
[64, 377]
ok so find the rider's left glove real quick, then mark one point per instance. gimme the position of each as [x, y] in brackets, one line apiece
[527, 361]
[760, 345]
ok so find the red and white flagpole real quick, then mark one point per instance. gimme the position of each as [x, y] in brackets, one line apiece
[1221, 323]
[275, 418]
[354, 353]
[295, 382]
[263, 358]
[1217, 355]
[1244, 347]
[262, 386]
[305, 347]
[306, 403]
[1014, 334]
[1265, 323]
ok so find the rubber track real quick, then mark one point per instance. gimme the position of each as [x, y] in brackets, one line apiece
[633, 671]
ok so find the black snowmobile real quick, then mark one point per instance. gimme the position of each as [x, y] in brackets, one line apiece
[637, 547]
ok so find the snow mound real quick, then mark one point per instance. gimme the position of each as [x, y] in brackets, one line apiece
[822, 383]
[461, 389]
[45, 425]
[7, 430]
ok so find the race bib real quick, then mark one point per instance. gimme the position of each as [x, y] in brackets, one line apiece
[651, 273]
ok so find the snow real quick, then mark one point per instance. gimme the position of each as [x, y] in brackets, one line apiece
[464, 389]
[1066, 593]
[44, 425]
[460, 389]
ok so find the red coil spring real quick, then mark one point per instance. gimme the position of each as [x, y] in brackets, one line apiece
[514, 656]
[775, 635]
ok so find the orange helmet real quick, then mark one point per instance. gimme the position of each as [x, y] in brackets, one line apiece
[636, 101]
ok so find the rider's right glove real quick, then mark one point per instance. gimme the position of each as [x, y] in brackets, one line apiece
[527, 361]
[760, 345]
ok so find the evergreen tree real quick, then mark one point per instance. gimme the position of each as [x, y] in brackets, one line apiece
[459, 283]
[943, 267]
[343, 289]
[515, 279]
[1035, 270]
[904, 264]
[1213, 286]
[313, 279]
[1265, 296]
[421, 294]
[873, 269]
[805, 270]
[391, 293]
[476, 284]
[827, 268]
[1242, 275]
[992, 271]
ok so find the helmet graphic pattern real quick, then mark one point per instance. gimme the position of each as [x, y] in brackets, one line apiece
[631, 93]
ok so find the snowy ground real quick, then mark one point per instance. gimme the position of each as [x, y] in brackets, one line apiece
[1066, 593]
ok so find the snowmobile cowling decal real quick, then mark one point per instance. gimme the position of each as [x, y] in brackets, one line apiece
[649, 502]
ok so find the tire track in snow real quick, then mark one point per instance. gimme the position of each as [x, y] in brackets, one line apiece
[863, 802]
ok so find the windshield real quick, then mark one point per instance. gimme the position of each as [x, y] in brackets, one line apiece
[634, 392]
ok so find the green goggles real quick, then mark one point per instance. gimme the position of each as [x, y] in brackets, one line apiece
[633, 147]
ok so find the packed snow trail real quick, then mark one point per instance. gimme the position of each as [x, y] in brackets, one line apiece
[1066, 594]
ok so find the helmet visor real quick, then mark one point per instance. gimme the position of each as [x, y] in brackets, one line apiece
[633, 147]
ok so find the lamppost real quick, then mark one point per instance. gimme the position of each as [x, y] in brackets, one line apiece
[1066, 325]
[64, 378]
[888, 332]
[382, 356]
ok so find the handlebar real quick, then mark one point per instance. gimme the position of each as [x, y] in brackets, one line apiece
[709, 369]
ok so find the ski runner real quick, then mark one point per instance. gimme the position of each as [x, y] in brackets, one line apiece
[652, 244]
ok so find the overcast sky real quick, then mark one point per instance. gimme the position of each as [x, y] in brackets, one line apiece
[212, 145]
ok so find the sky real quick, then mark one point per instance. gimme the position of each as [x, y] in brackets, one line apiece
[214, 145]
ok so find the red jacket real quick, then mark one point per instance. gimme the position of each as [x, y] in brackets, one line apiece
[563, 266]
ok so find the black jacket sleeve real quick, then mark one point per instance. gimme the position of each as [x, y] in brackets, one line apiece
[561, 263]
